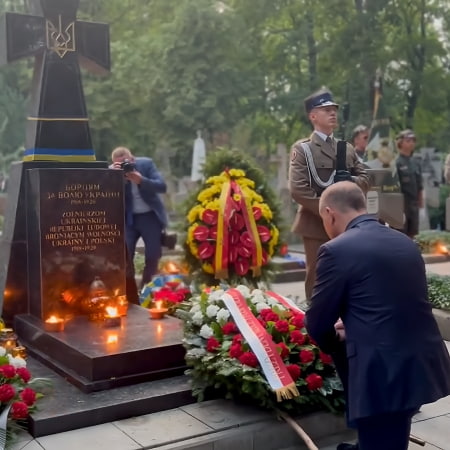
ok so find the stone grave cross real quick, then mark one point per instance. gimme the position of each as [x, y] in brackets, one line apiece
[57, 127]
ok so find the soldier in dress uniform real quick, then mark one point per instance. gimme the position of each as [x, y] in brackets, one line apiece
[312, 169]
[410, 177]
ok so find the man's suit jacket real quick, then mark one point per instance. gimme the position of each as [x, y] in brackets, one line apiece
[306, 192]
[373, 277]
[151, 186]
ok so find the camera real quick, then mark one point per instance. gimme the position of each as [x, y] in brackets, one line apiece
[127, 166]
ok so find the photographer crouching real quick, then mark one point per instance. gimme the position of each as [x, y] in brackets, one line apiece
[145, 215]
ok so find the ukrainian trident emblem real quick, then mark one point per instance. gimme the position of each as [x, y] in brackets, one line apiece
[60, 40]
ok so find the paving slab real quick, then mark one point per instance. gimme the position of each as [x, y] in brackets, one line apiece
[434, 431]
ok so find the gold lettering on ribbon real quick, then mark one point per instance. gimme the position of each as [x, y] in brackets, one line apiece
[60, 40]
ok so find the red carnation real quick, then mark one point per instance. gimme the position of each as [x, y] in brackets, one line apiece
[249, 359]
[314, 381]
[294, 371]
[272, 317]
[210, 216]
[298, 320]
[282, 326]
[7, 392]
[306, 356]
[212, 344]
[8, 371]
[229, 328]
[263, 313]
[19, 410]
[205, 250]
[28, 396]
[236, 351]
[201, 233]
[284, 350]
[326, 359]
[297, 337]
[24, 373]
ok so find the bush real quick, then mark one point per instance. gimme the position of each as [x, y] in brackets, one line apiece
[439, 291]
[429, 240]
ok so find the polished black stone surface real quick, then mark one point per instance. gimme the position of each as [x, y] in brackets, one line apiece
[64, 407]
[75, 233]
[96, 358]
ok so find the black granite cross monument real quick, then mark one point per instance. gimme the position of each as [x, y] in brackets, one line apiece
[57, 128]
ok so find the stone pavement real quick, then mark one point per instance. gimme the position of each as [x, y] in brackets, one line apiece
[221, 425]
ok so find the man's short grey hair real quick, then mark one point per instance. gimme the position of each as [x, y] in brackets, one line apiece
[344, 197]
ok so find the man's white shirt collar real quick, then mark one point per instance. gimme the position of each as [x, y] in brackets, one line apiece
[323, 136]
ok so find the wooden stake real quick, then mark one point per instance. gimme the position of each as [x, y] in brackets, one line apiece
[299, 430]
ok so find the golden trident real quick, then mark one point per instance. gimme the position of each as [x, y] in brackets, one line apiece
[59, 40]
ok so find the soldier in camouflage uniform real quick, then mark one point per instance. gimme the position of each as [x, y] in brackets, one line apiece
[410, 176]
[313, 168]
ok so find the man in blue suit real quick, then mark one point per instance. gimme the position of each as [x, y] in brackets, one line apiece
[373, 279]
[145, 215]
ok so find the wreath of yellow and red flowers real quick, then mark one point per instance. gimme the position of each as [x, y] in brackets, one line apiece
[231, 232]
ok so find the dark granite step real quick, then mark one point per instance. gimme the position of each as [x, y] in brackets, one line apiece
[66, 408]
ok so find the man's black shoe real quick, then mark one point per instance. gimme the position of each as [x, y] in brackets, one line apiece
[345, 446]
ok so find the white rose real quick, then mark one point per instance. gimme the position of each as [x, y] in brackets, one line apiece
[257, 297]
[206, 332]
[244, 290]
[197, 318]
[223, 315]
[215, 296]
[261, 306]
[2, 351]
[17, 361]
[273, 302]
[195, 308]
[212, 310]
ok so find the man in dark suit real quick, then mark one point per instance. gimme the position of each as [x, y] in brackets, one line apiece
[145, 215]
[373, 278]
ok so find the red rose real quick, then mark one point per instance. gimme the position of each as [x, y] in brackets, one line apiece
[314, 381]
[28, 396]
[210, 217]
[294, 371]
[282, 326]
[205, 250]
[19, 410]
[284, 351]
[201, 233]
[249, 359]
[257, 213]
[264, 233]
[229, 328]
[8, 371]
[237, 221]
[236, 351]
[263, 313]
[306, 356]
[7, 392]
[298, 320]
[272, 317]
[212, 344]
[24, 373]
[238, 338]
[297, 337]
[241, 266]
[326, 359]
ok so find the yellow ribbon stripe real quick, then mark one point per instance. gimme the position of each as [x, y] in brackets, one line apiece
[221, 272]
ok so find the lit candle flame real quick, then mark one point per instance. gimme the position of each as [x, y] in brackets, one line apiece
[116, 292]
[158, 304]
[112, 339]
[53, 319]
[443, 249]
[171, 267]
[111, 311]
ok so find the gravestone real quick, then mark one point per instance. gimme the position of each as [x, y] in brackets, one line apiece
[65, 219]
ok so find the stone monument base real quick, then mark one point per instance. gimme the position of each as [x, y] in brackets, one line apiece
[95, 358]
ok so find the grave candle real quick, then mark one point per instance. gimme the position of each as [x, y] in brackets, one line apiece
[20, 351]
[158, 312]
[54, 324]
[112, 318]
[122, 305]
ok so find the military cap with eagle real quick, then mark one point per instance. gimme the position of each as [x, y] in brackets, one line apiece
[319, 99]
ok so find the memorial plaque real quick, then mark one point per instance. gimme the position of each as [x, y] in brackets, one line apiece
[75, 231]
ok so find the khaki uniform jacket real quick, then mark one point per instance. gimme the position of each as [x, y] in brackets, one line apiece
[304, 189]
